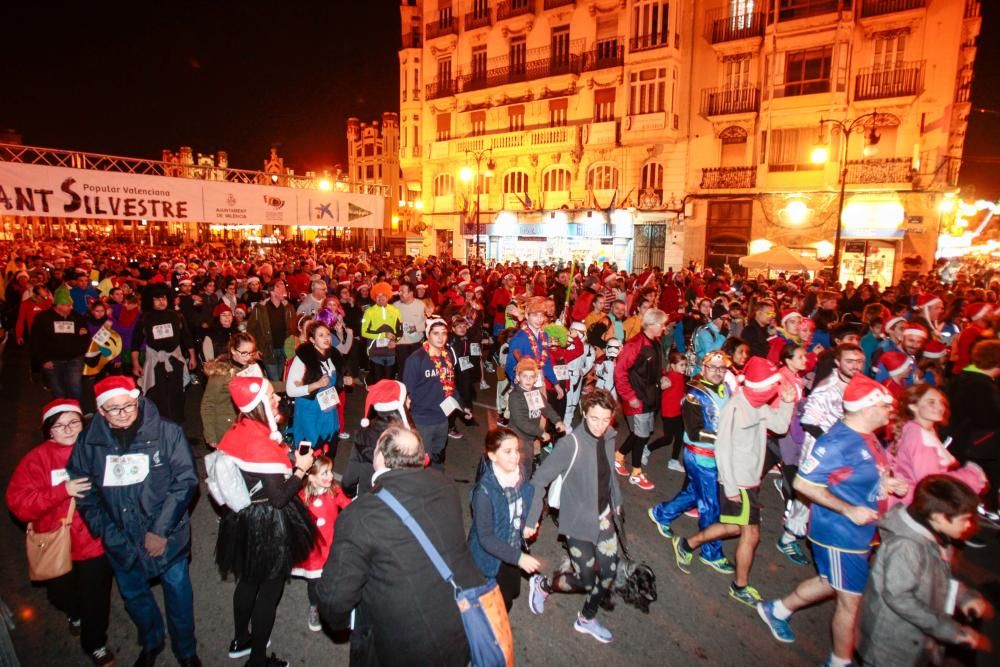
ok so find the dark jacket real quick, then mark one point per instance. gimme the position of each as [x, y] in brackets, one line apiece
[122, 515]
[489, 537]
[376, 562]
[638, 370]
[975, 417]
[47, 345]
[259, 326]
[756, 337]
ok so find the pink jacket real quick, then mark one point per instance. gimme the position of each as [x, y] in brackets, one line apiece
[919, 453]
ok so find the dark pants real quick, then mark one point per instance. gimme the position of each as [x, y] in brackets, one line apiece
[509, 583]
[254, 608]
[168, 391]
[435, 438]
[593, 568]
[673, 434]
[403, 352]
[380, 368]
[142, 608]
[65, 378]
[84, 593]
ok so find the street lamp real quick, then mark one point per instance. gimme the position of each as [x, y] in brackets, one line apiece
[466, 174]
[865, 123]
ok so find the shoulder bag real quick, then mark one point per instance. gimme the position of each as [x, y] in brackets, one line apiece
[555, 488]
[50, 554]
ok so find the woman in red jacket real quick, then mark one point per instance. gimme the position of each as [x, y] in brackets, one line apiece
[40, 493]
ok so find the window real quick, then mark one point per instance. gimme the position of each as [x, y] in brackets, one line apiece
[790, 149]
[515, 118]
[515, 183]
[604, 105]
[444, 185]
[557, 112]
[651, 177]
[478, 123]
[370, 173]
[480, 8]
[556, 179]
[443, 127]
[602, 177]
[807, 71]
[444, 13]
[559, 52]
[647, 89]
[416, 84]
[518, 56]
[649, 24]
[479, 63]
[737, 72]
[444, 70]
[888, 50]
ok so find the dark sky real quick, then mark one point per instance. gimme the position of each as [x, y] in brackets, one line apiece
[135, 78]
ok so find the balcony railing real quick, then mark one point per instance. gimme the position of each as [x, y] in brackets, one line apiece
[552, 4]
[789, 10]
[508, 9]
[442, 27]
[880, 7]
[971, 9]
[412, 40]
[874, 83]
[477, 19]
[880, 170]
[721, 101]
[530, 70]
[724, 28]
[653, 41]
[607, 54]
[441, 88]
[728, 178]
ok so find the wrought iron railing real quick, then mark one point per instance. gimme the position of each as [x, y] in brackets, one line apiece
[880, 170]
[441, 88]
[728, 178]
[873, 83]
[609, 53]
[412, 40]
[507, 9]
[721, 27]
[651, 41]
[479, 18]
[442, 27]
[720, 101]
[807, 87]
[971, 9]
[789, 10]
[552, 4]
[519, 71]
[880, 7]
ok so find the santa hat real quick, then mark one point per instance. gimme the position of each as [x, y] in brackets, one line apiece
[386, 396]
[60, 405]
[927, 299]
[249, 392]
[220, 309]
[893, 322]
[935, 349]
[185, 279]
[863, 392]
[433, 321]
[977, 311]
[759, 373]
[115, 385]
[897, 363]
[789, 312]
[915, 329]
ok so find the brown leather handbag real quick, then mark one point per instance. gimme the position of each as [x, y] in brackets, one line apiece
[49, 554]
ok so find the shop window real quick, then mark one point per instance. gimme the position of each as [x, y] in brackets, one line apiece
[602, 177]
[604, 105]
[444, 185]
[647, 90]
[515, 183]
[556, 179]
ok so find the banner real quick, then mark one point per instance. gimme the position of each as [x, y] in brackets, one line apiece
[61, 192]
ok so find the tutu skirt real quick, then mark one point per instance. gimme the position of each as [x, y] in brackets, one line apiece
[262, 542]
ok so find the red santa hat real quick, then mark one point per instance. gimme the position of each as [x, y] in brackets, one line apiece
[896, 363]
[789, 312]
[59, 406]
[935, 349]
[386, 396]
[927, 299]
[220, 309]
[115, 385]
[977, 311]
[893, 322]
[915, 329]
[248, 392]
[760, 381]
[863, 392]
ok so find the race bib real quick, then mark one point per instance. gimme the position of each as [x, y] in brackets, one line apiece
[161, 331]
[562, 372]
[58, 476]
[449, 405]
[382, 342]
[475, 350]
[540, 381]
[464, 364]
[102, 336]
[328, 399]
[125, 470]
[535, 400]
[251, 371]
[63, 327]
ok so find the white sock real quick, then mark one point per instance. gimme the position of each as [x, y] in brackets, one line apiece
[838, 662]
[780, 611]
[787, 538]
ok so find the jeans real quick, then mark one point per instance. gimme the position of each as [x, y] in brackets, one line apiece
[435, 437]
[65, 378]
[276, 370]
[701, 490]
[178, 598]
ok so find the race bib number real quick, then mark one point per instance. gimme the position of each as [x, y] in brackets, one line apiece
[535, 400]
[125, 470]
[58, 476]
[382, 342]
[328, 399]
[63, 327]
[464, 364]
[449, 405]
[161, 331]
[809, 464]
[475, 350]
[562, 372]
[102, 336]
[251, 371]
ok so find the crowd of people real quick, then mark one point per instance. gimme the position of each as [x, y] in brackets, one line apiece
[877, 408]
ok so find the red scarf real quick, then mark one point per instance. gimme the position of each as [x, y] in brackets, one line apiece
[444, 368]
[538, 355]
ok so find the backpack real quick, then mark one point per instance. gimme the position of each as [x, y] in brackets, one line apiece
[225, 481]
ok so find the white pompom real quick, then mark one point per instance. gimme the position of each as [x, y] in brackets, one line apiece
[365, 423]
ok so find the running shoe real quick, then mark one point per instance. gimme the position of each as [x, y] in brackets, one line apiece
[593, 628]
[484, 385]
[313, 620]
[675, 465]
[621, 469]
[721, 565]
[238, 650]
[645, 455]
[490, 368]
[781, 629]
[455, 434]
[641, 481]
[779, 484]
[536, 596]
[74, 626]
[793, 551]
[693, 513]
[682, 556]
[748, 595]
[661, 528]
[102, 657]
[344, 435]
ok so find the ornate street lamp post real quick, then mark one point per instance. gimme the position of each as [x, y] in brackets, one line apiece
[467, 175]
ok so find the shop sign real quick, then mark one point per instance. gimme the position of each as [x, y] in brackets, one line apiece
[872, 219]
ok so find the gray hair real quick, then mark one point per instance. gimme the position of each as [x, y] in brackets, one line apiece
[652, 317]
[397, 454]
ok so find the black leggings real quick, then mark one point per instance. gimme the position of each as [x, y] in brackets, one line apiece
[509, 582]
[634, 444]
[673, 434]
[84, 593]
[593, 570]
[254, 608]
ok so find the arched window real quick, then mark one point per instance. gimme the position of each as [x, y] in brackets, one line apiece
[556, 179]
[515, 182]
[444, 185]
[651, 177]
[602, 177]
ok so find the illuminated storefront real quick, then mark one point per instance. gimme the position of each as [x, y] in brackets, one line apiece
[872, 232]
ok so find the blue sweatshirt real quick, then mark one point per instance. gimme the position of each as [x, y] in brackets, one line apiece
[424, 388]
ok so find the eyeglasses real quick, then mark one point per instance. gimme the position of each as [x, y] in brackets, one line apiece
[245, 353]
[715, 368]
[126, 409]
[68, 426]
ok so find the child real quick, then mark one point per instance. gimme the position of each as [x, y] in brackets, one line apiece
[503, 382]
[527, 406]
[465, 371]
[500, 500]
[324, 500]
[670, 411]
[605, 369]
[910, 598]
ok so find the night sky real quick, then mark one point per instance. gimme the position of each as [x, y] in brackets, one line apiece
[136, 78]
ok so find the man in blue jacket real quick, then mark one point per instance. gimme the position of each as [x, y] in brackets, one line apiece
[143, 478]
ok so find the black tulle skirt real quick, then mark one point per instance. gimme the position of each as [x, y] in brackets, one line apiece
[262, 542]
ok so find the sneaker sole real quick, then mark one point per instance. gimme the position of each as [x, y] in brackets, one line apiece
[314, 628]
[767, 622]
[584, 631]
[649, 486]
[245, 652]
[660, 528]
[720, 570]
[747, 601]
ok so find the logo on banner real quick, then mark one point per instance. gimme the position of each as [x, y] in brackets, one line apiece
[274, 212]
[274, 202]
[323, 211]
[231, 211]
[230, 199]
[354, 212]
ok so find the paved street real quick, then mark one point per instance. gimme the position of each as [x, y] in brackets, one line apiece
[694, 621]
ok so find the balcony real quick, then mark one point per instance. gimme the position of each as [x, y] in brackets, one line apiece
[728, 178]
[537, 64]
[789, 10]
[971, 9]
[873, 83]
[651, 41]
[442, 27]
[441, 88]
[722, 101]
[412, 40]
[512, 141]
[508, 9]
[477, 19]
[609, 53]
[880, 7]
[884, 170]
[721, 27]
[553, 4]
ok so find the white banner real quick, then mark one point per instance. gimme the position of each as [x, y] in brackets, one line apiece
[60, 192]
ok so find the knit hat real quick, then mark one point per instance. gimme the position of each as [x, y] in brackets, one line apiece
[221, 308]
[787, 313]
[60, 405]
[381, 289]
[935, 349]
[115, 385]
[977, 311]
[863, 392]
[248, 393]
[62, 297]
[897, 363]
[915, 329]
[386, 396]
[719, 310]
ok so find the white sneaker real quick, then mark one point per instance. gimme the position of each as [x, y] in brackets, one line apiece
[484, 385]
[344, 435]
[675, 465]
